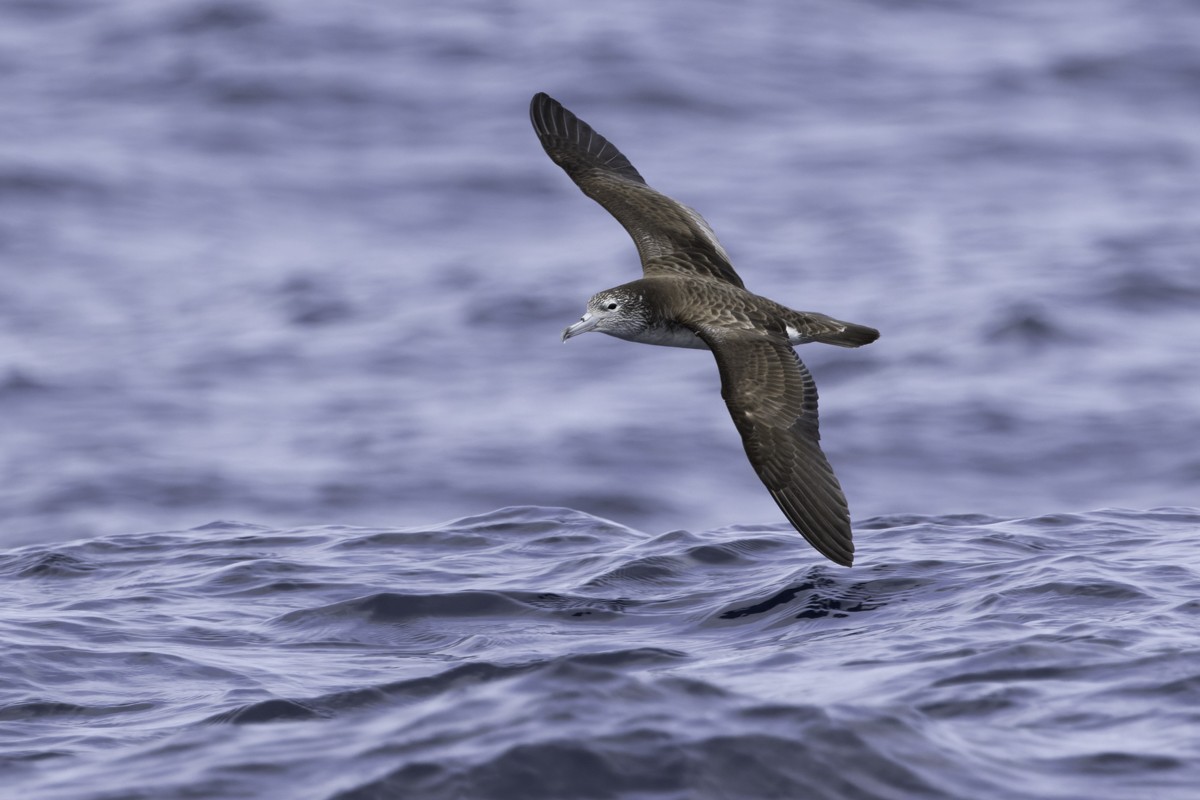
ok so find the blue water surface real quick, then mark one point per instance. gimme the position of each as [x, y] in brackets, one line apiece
[545, 653]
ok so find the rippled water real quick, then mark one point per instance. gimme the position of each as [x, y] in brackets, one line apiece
[304, 264]
[545, 653]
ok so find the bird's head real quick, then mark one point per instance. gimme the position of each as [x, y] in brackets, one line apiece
[618, 312]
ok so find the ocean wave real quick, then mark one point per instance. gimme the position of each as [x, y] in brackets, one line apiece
[539, 652]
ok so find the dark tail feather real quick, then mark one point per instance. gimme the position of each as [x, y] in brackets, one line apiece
[851, 336]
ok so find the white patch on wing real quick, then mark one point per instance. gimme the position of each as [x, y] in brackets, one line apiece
[795, 337]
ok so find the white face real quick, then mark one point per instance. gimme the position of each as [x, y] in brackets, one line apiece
[605, 313]
[603, 305]
[593, 319]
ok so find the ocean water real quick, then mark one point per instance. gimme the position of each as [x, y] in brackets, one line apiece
[546, 653]
[304, 267]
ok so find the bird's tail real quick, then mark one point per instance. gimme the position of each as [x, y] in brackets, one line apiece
[809, 326]
[849, 336]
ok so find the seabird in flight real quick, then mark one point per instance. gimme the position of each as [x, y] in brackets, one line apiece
[690, 296]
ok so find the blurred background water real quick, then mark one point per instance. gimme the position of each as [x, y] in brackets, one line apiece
[296, 263]
[305, 264]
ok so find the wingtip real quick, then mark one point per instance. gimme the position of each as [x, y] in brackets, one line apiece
[842, 555]
[573, 144]
[831, 536]
[541, 104]
[549, 117]
[837, 552]
[845, 561]
[535, 108]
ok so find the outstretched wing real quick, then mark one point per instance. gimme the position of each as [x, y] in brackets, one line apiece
[670, 237]
[773, 401]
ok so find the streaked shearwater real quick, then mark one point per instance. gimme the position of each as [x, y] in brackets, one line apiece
[690, 296]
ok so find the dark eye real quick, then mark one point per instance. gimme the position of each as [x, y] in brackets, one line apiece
[611, 306]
